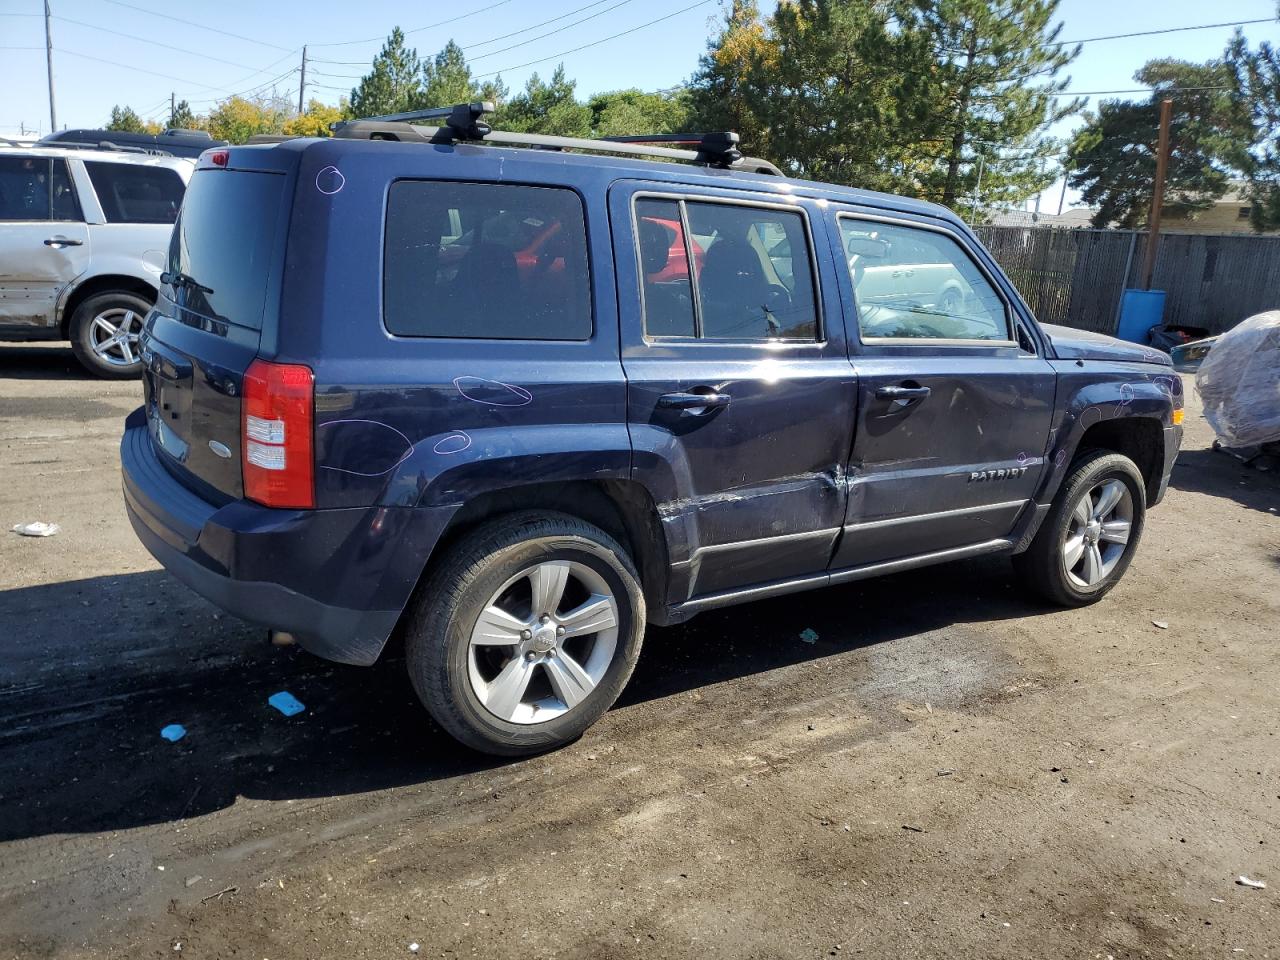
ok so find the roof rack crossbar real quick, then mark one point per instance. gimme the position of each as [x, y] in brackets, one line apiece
[464, 122]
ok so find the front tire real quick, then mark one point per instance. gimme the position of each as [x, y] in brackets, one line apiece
[1089, 537]
[525, 633]
[104, 333]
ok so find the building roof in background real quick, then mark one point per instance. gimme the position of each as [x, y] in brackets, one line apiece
[1076, 218]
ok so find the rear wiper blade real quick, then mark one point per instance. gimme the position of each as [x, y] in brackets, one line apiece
[178, 279]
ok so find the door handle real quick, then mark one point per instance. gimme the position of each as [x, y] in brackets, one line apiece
[902, 396]
[63, 242]
[694, 402]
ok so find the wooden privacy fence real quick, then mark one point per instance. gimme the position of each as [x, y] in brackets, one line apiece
[1076, 277]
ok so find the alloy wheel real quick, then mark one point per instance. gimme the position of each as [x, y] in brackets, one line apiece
[114, 335]
[543, 642]
[1097, 532]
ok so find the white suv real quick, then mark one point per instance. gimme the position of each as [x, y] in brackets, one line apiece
[83, 236]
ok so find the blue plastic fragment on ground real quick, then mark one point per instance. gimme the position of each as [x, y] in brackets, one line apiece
[809, 635]
[286, 703]
[174, 732]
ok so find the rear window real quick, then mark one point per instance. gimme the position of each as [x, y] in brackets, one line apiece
[224, 244]
[486, 261]
[132, 193]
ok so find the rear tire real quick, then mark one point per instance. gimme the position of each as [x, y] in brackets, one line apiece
[563, 622]
[1089, 537]
[104, 333]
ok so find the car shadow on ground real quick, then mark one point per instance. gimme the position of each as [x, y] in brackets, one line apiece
[43, 361]
[1218, 474]
[92, 670]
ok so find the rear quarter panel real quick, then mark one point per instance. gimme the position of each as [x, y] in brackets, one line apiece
[412, 421]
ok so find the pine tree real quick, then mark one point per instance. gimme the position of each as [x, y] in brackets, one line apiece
[126, 120]
[1256, 83]
[991, 94]
[543, 107]
[446, 79]
[1114, 155]
[182, 118]
[393, 83]
[724, 93]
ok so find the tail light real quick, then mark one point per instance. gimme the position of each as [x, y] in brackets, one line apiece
[276, 447]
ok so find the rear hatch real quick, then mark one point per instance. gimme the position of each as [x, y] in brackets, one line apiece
[217, 309]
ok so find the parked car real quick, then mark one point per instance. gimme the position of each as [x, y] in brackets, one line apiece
[365, 417]
[83, 235]
[172, 142]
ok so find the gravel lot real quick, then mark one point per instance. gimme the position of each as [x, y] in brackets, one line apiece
[949, 771]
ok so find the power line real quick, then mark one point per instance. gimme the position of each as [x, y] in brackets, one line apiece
[187, 23]
[480, 43]
[1152, 33]
[550, 33]
[596, 43]
[153, 42]
[429, 26]
[1101, 93]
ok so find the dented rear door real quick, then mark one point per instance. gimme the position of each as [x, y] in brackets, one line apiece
[740, 408]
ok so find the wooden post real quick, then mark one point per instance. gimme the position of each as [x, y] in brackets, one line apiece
[1157, 197]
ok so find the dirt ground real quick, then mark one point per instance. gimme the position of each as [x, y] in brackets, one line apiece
[948, 771]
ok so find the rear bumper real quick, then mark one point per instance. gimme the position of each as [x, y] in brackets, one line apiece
[336, 579]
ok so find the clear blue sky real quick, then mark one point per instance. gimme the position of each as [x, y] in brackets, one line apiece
[270, 37]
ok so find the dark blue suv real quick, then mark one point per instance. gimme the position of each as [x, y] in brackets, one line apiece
[513, 397]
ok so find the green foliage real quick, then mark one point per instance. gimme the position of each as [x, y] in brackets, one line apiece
[446, 79]
[1256, 82]
[550, 108]
[1113, 155]
[182, 118]
[990, 93]
[126, 120]
[237, 119]
[393, 84]
[726, 92]
[628, 112]
[910, 96]
[317, 119]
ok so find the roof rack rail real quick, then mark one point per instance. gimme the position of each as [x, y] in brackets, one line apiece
[104, 145]
[464, 122]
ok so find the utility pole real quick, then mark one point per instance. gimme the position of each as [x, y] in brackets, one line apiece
[302, 84]
[48, 49]
[1063, 195]
[172, 108]
[1157, 198]
[977, 192]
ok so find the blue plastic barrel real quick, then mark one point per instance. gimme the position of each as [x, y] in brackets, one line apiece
[1140, 310]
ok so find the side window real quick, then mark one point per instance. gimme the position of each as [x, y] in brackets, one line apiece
[65, 204]
[919, 284]
[743, 273]
[664, 268]
[485, 261]
[26, 186]
[133, 193]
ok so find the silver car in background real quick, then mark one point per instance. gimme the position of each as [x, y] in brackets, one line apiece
[83, 237]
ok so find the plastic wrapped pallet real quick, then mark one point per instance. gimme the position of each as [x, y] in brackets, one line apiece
[1239, 383]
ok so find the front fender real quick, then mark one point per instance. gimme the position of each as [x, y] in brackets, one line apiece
[1094, 392]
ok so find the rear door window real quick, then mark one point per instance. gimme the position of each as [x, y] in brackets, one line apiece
[133, 193]
[486, 261]
[36, 189]
[751, 275]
